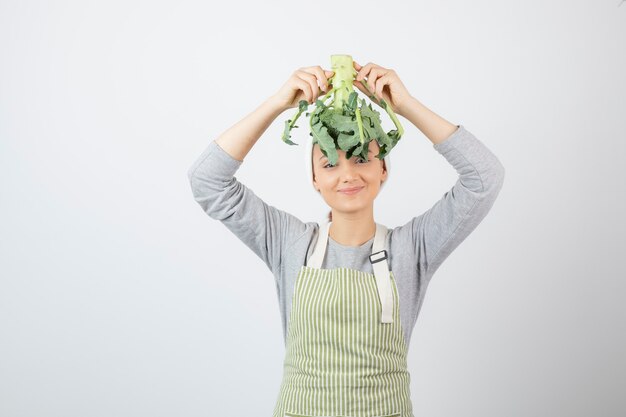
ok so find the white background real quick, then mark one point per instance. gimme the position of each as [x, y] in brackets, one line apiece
[120, 297]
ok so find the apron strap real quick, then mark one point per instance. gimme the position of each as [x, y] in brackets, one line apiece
[315, 261]
[378, 259]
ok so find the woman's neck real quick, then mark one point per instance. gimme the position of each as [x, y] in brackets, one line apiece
[352, 231]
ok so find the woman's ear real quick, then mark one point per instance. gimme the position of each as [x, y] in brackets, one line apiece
[315, 184]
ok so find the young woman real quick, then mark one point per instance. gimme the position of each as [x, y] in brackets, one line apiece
[349, 289]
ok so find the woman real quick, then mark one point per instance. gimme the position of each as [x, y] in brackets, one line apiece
[351, 288]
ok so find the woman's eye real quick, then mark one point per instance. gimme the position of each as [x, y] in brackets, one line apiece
[358, 159]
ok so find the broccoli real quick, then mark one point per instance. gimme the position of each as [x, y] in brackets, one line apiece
[343, 124]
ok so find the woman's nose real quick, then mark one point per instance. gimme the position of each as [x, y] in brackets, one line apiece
[347, 170]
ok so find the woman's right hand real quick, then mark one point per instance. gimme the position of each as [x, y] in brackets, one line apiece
[305, 83]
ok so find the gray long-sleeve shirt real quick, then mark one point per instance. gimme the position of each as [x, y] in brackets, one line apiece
[415, 249]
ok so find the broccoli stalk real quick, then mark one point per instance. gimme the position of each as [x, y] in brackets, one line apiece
[343, 124]
[342, 80]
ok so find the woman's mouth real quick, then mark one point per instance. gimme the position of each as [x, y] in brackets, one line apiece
[350, 191]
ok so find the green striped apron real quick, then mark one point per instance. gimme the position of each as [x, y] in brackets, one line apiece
[345, 353]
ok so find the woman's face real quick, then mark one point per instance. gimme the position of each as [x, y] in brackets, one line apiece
[331, 179]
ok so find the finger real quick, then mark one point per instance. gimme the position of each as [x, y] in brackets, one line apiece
[356, 65]
[312, 80]
[380, 83]
[320, 78]
[358, 85]
[303, 85]
[327, 76]
[372, 79]
[364, 71]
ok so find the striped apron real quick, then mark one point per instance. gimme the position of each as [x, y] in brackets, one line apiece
[345, 353]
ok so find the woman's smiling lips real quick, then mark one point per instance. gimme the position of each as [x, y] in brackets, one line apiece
[350, 191]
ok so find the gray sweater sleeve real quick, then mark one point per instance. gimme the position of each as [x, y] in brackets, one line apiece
[441, 229]
[263, 228]
[432, 236]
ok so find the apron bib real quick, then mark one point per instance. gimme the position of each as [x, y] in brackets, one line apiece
[345, 353]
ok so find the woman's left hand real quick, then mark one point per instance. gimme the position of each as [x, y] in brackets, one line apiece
[383, 83]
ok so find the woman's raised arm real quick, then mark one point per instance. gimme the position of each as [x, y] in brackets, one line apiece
[265, 229]
[437, 232]
[303, 83]
[243, 135]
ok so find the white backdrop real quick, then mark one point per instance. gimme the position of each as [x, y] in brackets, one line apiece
[120, 297]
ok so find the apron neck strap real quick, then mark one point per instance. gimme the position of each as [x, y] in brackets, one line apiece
[378, 259]
[379, 253]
